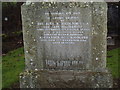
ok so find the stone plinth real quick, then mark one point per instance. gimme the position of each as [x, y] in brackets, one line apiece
[65, 79]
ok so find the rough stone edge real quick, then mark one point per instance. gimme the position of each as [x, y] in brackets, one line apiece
[66, 79]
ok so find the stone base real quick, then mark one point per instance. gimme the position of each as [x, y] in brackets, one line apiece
[65, 79]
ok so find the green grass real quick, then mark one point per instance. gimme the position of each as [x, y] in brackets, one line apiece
[13, 65]
[113, 62]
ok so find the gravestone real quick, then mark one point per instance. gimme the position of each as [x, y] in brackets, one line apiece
[110, 41]
[65, 45]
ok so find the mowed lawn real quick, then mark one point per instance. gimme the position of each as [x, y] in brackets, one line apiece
[113, 61]
[13, 65]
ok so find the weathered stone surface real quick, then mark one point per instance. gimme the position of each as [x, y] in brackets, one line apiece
[88, 53]
[65, 79]
[66, 44]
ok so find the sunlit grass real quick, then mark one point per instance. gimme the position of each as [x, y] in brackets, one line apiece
[12, 65]
[113, 62]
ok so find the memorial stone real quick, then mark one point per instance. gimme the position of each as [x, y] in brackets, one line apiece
[65, 45]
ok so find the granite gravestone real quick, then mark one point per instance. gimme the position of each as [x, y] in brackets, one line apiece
[65, 45]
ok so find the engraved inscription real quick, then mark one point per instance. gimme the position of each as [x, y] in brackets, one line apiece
[63, 31]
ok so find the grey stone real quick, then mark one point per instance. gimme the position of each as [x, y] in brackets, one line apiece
[88, 54]
[67, 39]
[65, 79]
[110, 41]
